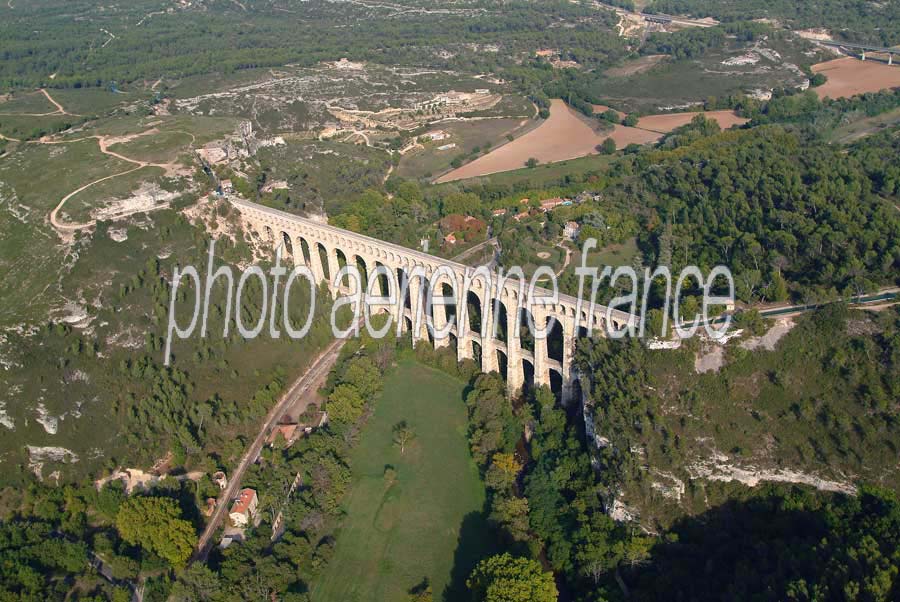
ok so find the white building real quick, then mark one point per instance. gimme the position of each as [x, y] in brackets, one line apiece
[244, 508]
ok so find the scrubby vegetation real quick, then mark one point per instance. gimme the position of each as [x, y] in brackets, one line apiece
[820, 403]
[861, 22]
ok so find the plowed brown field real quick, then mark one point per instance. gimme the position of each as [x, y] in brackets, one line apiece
[849, 76]
[668, 122]
[564, 135]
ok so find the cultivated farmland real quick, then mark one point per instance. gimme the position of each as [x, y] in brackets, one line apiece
[849, 76]
[565, 135]
[668, 122]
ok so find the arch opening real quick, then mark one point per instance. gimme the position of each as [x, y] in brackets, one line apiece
[554, 339]
[502, 363]
[526, 337]
[363, 272]
[323, 258]
[288, 245]
[454, 343]
[499, 326]
[341, 262]
[556, 384]
[382, 276]
[527, 376]
[473, 311]
[450, 308]
[305, 252]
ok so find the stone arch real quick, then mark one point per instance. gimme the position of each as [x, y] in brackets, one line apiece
[305, 251]
[500, 327]
[474, 313]
[341, 262]
[502, 363]
[403, 292]
[323, 259]
[527, 375]
[556, 384]
[407, 327]
[363, 268]
[270, 235]
[526, 337]
[476, 352]
[555, 339]
[450, 309]
[383, 283]
[288, 245]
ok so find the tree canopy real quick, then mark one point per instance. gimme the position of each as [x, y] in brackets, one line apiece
[155, 523]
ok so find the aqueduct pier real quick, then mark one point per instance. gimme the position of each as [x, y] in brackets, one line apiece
[520, 358]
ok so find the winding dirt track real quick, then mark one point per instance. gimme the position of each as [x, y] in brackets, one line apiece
[59, 109]
[102, 142]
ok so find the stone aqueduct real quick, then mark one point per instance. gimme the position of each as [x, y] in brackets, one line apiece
[320, 247]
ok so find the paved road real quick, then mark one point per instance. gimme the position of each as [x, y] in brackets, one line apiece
[685, 21]
[306, 383]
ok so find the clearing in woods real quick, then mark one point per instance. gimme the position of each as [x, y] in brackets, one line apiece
[849, 76]
[427, 520]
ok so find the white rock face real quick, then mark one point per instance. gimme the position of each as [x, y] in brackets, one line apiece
[50, 423]
[37, 456]
[5, 419]
[718, 468]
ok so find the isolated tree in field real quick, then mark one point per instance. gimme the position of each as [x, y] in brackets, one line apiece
[507, 579]
[607, 147]
[403, 434]
[531, 163]
[630, 120]
[156, 524]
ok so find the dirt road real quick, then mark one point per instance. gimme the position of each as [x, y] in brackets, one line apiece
[103, 142]
[303, 385]
[59, 109]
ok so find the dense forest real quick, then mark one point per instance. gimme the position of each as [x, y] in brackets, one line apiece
[67, 39]
[859, 21]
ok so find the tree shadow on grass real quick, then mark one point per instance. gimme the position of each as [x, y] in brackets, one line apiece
[475, 541]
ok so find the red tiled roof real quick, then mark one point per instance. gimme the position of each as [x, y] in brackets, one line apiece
[242, 504]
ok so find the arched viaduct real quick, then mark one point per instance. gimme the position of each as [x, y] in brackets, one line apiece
[325, 249]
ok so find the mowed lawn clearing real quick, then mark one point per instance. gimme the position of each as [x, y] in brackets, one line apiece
[427, 522]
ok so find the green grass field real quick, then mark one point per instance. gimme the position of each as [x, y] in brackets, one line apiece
[427, 523]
